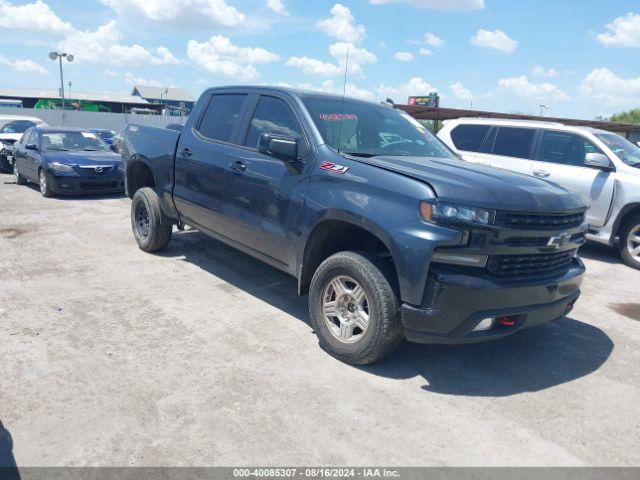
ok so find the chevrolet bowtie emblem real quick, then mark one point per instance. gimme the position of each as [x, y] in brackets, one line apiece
[559, 241]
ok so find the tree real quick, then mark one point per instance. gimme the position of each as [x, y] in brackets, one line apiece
[632, 116]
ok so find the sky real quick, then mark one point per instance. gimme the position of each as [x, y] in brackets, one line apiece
[578, 58]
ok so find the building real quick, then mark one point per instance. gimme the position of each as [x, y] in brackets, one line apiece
[88, 102]
[176, 100]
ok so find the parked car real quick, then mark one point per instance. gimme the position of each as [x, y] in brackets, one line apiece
[391, 239]
[67, 161]
[12, 127]
[602, 165]
[105, 134]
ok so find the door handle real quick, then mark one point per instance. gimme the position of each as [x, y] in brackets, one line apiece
[238, 166]
[186, 152]
[541, 173]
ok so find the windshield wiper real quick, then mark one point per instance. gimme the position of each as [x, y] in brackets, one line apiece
[360, 154]
[91, 149]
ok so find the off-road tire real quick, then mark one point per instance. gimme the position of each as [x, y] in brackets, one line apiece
[157, 235]
[384, 333]
[625, 254]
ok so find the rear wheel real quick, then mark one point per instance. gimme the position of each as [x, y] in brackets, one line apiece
[151, 234]
[45, 187]
[354, 310]
[17, 176]
[630, 242]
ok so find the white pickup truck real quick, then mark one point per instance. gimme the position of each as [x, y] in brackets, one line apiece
[602, 165]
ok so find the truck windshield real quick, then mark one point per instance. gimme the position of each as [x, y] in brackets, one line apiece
[366, 129]
[623, 148]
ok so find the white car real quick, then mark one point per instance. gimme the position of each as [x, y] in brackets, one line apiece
[603, 166]
[12, 127]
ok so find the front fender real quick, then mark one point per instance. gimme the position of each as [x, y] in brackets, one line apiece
[386, 205]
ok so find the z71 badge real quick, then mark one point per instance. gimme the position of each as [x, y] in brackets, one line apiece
[333, 168]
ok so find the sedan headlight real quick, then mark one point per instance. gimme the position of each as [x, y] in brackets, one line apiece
[449, 213]
[60, 167]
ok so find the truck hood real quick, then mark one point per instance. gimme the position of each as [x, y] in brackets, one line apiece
[84, 158]
[460, 182]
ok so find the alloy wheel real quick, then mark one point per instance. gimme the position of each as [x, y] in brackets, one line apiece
[346, 309]
[633, 243]
[43, 182]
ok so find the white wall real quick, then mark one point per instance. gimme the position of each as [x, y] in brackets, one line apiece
[113, 121]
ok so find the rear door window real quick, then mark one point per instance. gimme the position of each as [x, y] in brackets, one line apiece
[514, 142]
[274, 116]
[469, 137]
[221, 118]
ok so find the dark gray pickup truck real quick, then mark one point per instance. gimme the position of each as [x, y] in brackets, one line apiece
[389, 232]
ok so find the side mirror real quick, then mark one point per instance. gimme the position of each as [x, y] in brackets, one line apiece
[282, 147]
[113, 148]
[598, 160]
[32, 146]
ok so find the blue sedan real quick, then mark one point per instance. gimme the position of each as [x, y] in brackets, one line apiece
[67, 161]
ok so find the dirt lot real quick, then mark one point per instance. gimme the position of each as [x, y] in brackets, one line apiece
[204, 356]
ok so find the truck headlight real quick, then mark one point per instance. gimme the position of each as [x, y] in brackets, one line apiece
[60, 167]
[449, 213]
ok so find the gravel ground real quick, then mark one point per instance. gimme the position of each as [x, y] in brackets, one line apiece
[204, 356]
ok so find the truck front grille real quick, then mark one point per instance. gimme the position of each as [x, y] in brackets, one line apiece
[513, 265]
[535, 221]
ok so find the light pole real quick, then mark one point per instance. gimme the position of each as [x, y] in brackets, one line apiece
[59, 56]
[542, 110]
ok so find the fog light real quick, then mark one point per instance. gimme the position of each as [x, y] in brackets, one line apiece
[484, 325]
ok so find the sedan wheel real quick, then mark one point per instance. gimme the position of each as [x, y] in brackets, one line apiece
[45, 189]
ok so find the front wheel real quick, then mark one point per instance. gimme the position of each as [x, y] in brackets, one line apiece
[630, 243]
[17, 176]
[151, 234]
[353, 308]
[45, 187]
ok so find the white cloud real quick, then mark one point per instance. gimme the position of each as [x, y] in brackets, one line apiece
[37, 16]
[22, 66]
[438, 4]
[404, 56]
[496, 39]
[312, 66]
[433, 40]
[416, 86]
[103, 46]
[540, 71]
[461, 92]
[522, 87]
[357, 58]
[220, 57]
[277, 6]
[607, 87]
[425, 52]
[328, 86]
[342, 25]
[131, 79]
[182, 13]
[622, 32]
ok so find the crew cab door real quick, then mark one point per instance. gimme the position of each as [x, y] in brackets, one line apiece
[265, 199]
[560, 158]
[205, 151]
[510, 148]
